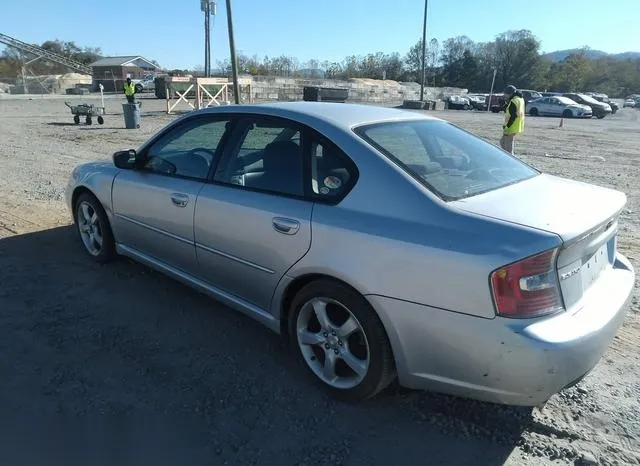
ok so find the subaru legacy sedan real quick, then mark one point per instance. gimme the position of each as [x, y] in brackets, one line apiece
[382, 244]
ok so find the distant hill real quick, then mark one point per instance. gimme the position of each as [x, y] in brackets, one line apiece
[560, 55]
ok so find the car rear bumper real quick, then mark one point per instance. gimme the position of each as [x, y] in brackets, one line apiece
[508, 361]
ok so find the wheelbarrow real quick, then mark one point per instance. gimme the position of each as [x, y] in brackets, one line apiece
[88, 111]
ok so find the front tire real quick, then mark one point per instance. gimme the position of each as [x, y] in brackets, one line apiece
[567, 114]
[600, 116]
[533, 112]
[340, 339]
[94, 231]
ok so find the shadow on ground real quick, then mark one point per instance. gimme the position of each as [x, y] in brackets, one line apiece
[61, 123]
[127, 357]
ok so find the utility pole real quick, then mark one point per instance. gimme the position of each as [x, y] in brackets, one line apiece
[424, 51]
[493, 81]
[209, 8]
[232, 51]
[207, 42]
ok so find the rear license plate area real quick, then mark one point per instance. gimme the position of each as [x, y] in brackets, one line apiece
[593, 268]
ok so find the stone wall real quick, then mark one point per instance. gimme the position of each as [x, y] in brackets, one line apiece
[267, 88]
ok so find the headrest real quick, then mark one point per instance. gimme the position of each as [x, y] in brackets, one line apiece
[280, 154]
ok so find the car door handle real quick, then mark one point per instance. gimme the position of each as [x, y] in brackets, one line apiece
[181, 200]
[286, 226]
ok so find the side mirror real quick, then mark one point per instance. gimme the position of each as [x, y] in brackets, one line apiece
[125, 159]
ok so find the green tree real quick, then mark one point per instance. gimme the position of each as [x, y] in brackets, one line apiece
[517, 55]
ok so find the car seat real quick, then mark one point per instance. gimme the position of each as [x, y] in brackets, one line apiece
[282, 169]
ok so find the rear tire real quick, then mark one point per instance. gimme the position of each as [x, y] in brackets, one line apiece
[76, 119]
[601, 116]
[340, 339]
[93, 228]
[533, 112]
[100, 120]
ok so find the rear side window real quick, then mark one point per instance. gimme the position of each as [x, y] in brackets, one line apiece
[332, 173]
[267, 158]
[450, 162]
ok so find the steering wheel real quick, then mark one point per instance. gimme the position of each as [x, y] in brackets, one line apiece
[161, 165]
[209, 152]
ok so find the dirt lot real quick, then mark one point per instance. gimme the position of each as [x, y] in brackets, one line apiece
[125, 366]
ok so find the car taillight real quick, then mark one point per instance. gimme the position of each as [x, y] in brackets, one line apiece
[528, 288]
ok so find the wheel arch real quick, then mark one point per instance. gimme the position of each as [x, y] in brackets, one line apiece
[77, 192]
[95, 178]
[283, 308]
[294, 287]
[84, 189]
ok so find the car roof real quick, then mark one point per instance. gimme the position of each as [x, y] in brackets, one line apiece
[341, 114]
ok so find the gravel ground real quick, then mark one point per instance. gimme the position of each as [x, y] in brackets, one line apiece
[119, 364]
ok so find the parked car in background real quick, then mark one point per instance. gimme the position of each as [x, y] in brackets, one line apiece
[478, 101]
[550, 94]
[385, 244]
[635, 98]
[528, 95]
[629, 103]
[604, 98]
[147, 84]
[559, 106]
[456, 102]
[599, 109]
[495, 102]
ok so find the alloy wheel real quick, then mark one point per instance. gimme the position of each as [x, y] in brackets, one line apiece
[333, 343]
[89, 228]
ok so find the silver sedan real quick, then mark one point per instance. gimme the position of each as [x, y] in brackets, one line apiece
[558, 106]
[384, 244]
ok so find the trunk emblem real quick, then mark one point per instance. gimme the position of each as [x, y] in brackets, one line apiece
[570, 273]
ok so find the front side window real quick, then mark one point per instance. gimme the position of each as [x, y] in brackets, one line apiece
[188, 150]
[267, 157]
[449, 161]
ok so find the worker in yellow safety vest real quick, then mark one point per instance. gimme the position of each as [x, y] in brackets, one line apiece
[513, 117]
[129, 91]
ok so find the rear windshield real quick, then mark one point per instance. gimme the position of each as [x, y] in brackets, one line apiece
[447, 160]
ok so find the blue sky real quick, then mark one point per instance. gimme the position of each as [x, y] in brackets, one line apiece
[171, 31]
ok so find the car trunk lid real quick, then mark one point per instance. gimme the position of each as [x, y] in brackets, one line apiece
[584, 216]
